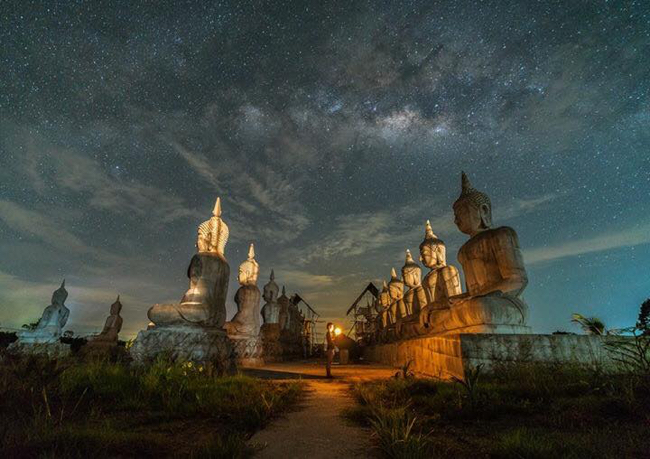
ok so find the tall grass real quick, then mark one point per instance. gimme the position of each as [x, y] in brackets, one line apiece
[520, 410]
[59, 407]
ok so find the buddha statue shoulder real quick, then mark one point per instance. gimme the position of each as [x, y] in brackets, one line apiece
[271, 309]
[246, 321]
[52, 321]
[493, 265]
[204, 303]
[113, 324]
[442, 281]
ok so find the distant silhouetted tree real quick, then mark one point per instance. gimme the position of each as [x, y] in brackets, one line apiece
[643, 324]
[590, 325]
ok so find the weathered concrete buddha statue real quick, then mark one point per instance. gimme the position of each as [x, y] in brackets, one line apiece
[271, 309]
[397, 307]
[204, 303]
[415, 298]
[283, 315]
[383, 313]
[52, 320]
[112, 326]
[246, 321]
[442, 281]
[494, 270]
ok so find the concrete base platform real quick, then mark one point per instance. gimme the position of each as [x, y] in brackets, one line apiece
[452, 355]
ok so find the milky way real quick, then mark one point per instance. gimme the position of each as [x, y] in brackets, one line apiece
[331, 132]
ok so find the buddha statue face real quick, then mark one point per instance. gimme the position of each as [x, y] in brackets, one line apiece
[433, 253]
[472, 209]
[411, 272]
[249, 270]
[395, 286]
[116, 307]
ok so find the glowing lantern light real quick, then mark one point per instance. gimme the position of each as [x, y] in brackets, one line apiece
[337, 331]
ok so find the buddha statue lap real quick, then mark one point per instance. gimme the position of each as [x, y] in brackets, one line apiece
[112, 327]
[246, 321]
[204, 303]
[494, 270]
[52, 321]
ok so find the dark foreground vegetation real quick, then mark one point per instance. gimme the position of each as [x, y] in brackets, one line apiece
[520, 411]
[68, 408]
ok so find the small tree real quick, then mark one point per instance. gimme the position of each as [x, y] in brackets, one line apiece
[590, 325]
[643, 324]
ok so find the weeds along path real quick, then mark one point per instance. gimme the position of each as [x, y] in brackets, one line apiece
[317, 428]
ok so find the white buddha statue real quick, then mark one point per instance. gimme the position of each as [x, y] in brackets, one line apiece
[204, 303]
[52, 320]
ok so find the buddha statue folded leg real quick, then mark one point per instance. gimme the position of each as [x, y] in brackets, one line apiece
[488, 313]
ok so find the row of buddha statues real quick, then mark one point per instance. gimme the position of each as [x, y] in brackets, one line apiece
[49, 327]
[495, 278]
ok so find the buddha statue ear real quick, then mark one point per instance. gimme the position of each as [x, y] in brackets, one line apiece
[486, 215]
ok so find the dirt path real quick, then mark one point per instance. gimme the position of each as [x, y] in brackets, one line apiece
[317, 430]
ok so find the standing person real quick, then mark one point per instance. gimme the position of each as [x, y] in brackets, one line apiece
[330, 348]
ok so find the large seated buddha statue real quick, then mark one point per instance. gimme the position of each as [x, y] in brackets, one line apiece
[396, 309]
[204, 303]
[246, 321]
[494, 270]
[112, 326]
[52, 321]
[441, 282]
[415, 298]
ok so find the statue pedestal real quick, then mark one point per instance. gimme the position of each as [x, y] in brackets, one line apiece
[208, 346]
[248, 350]
[271, 347]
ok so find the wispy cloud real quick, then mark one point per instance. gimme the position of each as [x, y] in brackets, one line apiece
[606, 241]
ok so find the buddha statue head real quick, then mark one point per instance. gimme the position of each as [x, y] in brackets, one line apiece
[213, 234]
[472, 209]
[433, 253]
[395, 286]
[271, 290]
[60, 295]
[411, 271]
[384, 296]
[249, 269]
[116, 307]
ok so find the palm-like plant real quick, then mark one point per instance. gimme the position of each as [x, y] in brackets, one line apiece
[590, 325]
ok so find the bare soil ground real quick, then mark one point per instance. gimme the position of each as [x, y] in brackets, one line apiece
[317, 428]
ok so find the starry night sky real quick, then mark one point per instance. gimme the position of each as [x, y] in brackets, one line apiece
[332, 131]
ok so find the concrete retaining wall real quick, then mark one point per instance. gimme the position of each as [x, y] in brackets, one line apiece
[451, 355]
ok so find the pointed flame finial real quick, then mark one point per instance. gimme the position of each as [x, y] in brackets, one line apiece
[466, 185]
[393, 273]
[428, 233]
[217, 208]
[251, 251]
[272, 275]
[63, 284]
[409, 257]
[385, 286]
[284, 291]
